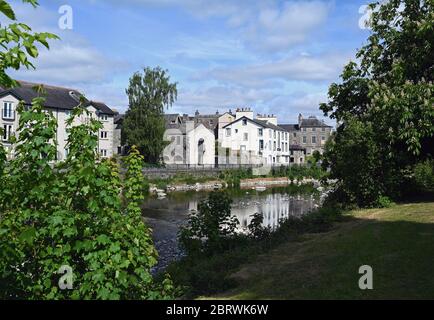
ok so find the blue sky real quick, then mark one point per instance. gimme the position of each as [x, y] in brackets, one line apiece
[274, 56]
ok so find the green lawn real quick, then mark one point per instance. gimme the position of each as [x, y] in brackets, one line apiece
[398, 243]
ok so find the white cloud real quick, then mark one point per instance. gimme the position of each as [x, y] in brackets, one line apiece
[325, 67]
[278, 28]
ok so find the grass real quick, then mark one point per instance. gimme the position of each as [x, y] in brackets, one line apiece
[396, 242]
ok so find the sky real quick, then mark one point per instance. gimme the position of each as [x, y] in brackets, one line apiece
[277, 57]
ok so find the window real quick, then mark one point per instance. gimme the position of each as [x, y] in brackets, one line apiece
[294, 135]
[274, 134]
[103, 117]
[304, 129]
[103, 134]
[269, 145]
[8, 110]
[178, 140]
[314, 139]
[236, 130]
[228, 132]
[244, 122]
[304, 139]
[261, 144]
[313, 129]
[66, 153]
[322, 138]
[323, 129]
[7, 132]
[274, 146]
[260, 132]
[103, 152]
[246, 136]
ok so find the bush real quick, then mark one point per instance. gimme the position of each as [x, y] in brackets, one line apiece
[424, 175]
[210, 225]
[71, 217]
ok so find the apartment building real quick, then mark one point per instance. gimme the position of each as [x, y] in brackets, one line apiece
[60, 102]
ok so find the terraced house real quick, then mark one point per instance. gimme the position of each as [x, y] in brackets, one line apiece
[241, 138]
[60, 101]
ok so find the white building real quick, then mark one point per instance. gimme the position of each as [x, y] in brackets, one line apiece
[189, 142]
[256, 141]
[60, 102]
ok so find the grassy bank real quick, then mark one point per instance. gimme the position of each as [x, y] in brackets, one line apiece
[320, 258]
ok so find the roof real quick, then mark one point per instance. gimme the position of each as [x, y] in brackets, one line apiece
[290, 127]
[56, 97]
[313, 122]
[261, 123]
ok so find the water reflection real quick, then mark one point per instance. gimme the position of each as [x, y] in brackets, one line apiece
[167, 215]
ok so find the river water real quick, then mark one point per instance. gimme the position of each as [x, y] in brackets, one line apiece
[165, 216]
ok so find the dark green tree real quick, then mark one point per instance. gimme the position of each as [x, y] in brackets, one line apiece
[149, 94]
[389, 91]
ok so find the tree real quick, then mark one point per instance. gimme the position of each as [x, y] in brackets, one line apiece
[389, 91]
[149, 94]
[18, 44]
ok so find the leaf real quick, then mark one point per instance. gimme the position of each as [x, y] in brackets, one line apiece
[6, 9]
[28, 236]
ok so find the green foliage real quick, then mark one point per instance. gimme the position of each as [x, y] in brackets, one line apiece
[19, 44]
[384, 202]
[210, 225]
[299, 172]
[71, 214]
[149, 94]
[233, 177]
[390, 93]
[256, 228]
[424, 175]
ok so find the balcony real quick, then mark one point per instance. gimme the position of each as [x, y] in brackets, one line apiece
[8, 115]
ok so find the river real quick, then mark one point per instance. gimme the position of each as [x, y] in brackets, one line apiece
[165, 216]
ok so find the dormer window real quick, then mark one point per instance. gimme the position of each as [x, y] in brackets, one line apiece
[103, 117]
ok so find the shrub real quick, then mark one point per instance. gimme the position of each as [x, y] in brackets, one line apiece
[256, 229]
[424, 175]
[210, 225]
[71, 216]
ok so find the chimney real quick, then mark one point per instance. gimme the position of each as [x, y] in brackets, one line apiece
[197, 113]
[300, 119]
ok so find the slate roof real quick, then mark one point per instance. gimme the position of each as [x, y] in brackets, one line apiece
[290, 127]
[261, 123]
[313, 122]
[56, 97]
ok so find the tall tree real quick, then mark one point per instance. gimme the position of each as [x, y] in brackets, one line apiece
[390, 91]
[149, 94]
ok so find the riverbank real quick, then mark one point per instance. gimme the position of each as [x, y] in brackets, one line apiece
[396, 242]
[239, 178]
[252, 183]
